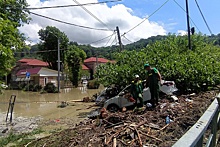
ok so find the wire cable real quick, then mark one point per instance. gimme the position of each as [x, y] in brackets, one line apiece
[100, 39]
[185, 12]
[146, 17]
[127, 39]
[203, 17]
[63, 6]
[109, 39]
[91, 14]
[85, 27]
[34, 52]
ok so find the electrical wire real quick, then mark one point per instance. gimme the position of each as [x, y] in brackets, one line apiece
[85, 27]
[146, 18]
[127, 39]
[203, 17]
[91, 14]
[189, 16]
[100, 39]
[109, 39]
[34, 52]
[63, 6]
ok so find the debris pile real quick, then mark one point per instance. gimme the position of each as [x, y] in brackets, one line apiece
[161, 126]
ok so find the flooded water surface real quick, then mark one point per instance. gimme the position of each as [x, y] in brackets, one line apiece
[34, 104]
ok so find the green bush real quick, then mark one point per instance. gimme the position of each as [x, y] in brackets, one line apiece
[21, 86]
[37, 88]
[93, 84]
[192, 70]
[29, 87]
[50, 88]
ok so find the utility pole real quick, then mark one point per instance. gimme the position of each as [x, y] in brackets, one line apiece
[188, 27]
[58, 85]
[119, 38]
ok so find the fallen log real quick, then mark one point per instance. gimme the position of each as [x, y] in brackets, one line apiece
[139, 138]
[164, 127]
[115, 134]
[114, 142]
[150, 136]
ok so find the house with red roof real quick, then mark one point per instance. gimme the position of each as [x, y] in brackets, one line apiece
[26, 64]
[38, 75]
[92, 62]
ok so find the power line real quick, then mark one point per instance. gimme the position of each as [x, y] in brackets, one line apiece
[63, 6]
[146, 17]
[91, 14]
[115, 40]
[185, 12]
[85, 27]
[127, 39]
[109, 39]
[100, 39]
[203, 17]
[33, 52]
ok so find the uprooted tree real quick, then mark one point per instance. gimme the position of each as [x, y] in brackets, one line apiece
[192, 70]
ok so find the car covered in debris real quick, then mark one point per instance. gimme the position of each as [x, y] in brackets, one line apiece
[122, 99]
[106, 94]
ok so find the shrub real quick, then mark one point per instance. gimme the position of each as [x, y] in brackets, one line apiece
[192, 70]
[21, 86]
[93, 84]
[37, 87]
[50, 88]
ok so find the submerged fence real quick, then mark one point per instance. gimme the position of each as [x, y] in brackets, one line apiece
[194, 136]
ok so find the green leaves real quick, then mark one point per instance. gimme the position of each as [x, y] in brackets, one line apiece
[49, 45]
[74, 59]
[193, 70]
[12, 15]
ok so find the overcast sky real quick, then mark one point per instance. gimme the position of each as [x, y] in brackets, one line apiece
[125, 14]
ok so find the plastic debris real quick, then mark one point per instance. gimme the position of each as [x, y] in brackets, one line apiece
[149, 105]
[188, 100]
[174, 98]
[167, 119]
[163, 105]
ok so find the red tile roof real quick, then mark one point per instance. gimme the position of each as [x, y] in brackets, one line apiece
[33, 62]
[93, 59]
[84, 67]
[32, 71]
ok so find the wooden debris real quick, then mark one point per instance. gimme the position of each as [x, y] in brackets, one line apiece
[124, 129]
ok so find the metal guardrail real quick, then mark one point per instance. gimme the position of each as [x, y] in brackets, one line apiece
[194, 136]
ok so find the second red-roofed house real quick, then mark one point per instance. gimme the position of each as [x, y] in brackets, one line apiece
[92, 62]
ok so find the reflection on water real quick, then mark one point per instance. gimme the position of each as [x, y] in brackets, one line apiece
[31, 104]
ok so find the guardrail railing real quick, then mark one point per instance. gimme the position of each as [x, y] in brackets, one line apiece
[194, 136]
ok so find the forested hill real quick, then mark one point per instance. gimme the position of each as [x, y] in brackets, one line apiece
[107, 52]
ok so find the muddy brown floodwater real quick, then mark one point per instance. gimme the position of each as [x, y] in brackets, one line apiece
[45, 106]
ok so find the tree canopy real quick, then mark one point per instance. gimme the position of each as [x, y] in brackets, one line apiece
[74, 59]
[192, 70]
[48, 46]
[12, 15]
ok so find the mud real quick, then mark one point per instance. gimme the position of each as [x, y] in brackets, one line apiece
[32, 110]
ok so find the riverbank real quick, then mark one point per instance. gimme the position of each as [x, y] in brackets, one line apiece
[151, 125]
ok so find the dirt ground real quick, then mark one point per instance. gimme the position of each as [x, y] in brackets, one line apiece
[130, 128]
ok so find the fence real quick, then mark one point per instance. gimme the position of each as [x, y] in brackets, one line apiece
[194, 136]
